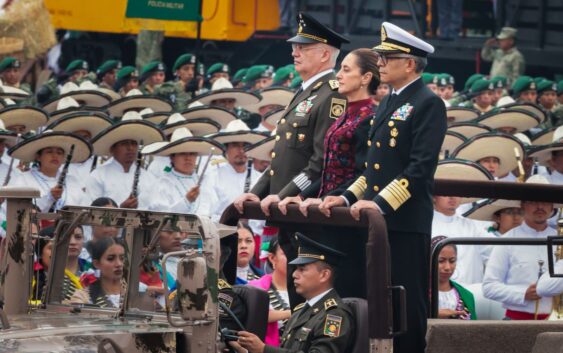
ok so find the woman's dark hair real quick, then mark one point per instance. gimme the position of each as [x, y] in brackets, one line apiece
[272, 248]
[366, 59]
[99, 247]
[244, 225]
[103, 201]
[435, 240]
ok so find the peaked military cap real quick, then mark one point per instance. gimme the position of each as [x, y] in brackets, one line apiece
[77, 65]
[311, 251]
[523, 83]
[107, 67]
[546, 86]
[183, 60]
[8, 63]
[152, 67]
[218, 67]
[396, 40]
[310, 31]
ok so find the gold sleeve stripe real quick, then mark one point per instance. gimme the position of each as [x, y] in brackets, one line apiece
[396, 193]
[359, 187]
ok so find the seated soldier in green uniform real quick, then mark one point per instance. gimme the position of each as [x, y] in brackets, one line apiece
[183, 88]
[323, 323]
[547, 99]
[482, 92]
[107, 74]
[10, 74]
[524, 90]
[283, 77]
[74, 72]
[238, 77]
[500, 87]
[152, 76]
[217, 71]
[460, 98]
[259, 77]
[127, 79]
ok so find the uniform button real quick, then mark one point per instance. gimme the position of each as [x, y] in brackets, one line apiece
[365, 164]
[391, 124]
[371, 122]
[375, 188]
[273, 155]
[378, 144]
[278, 137]
[376, 166]
[294, 124]
[282, 121]
[271, 173]
[369, 142]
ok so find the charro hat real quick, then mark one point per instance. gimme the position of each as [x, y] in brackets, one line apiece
[507, 32]
[310, 31]
[262, 150]
[461, 114]
[469, 129]
[460, 169]
[310, 251]
[520, 120]
[529, 107]
[485, 210]
[396, 40]
[93, 122]
[543, 137]
[86, 95]
[107, 66]
[182, 141]
[272, 96]
[27, 149]
[30, 117]
[135, 100]
[237, 131]
[499, 145]
[274, 116]
[220, 115]
[8, 92]
[9, 137]
[451, 141]
[131, 127]
[68, 105]
[182, 60]
[223, 89]
[543, 153]
[198, 126]
[9, 63]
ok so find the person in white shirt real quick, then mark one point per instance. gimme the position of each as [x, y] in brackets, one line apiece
[551, 286]
[513, 271]
[115, 178]
[6, 138]
[505, 215]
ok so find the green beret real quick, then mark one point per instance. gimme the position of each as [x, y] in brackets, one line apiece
[283, 74]
[428, 78]
[539, 79]
[152, 67]
[217, 67]
[481, 85]
[499, 81]
[546, 86]
[291, 67]
[127, 72]
[9, 63]
[76, 65]
[239, 75]
[472, 79]
[523, 83]
[183, 60]
[107, 67]
[258, 71]
[296, 82]
[560, 88]
[445, 80]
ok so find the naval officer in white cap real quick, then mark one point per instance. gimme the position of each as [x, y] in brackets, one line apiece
[403, 146]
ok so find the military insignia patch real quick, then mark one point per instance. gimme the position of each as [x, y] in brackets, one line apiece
[304, 107]
[329, 303]
[332, 326]
[333, 84]
[225, 299]
[337, 107]
[403, 112]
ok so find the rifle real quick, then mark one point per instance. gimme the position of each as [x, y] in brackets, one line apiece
[62, 176]
[136, 178]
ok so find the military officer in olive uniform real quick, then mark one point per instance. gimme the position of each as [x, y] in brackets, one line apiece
[107, 74]
[323, 323]
[507, 60]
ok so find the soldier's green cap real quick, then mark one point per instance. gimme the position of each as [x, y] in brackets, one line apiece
[290, 66]
[472, 79]
[239, 75]
[296, 82]
[499, 81]
[150, 68]
[428, 78]
[8, 63]
[507, 32]
[560, 88]
[258, 71]
[218, 67]
[283, 74]
[523, 83]
[108, 66]
[127, 72]
[539, 79]
[445, 79]
[481, 85]
[183, 60]
[77, 65]
[546, 86]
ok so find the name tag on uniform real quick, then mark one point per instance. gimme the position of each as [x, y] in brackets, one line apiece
[403, 112]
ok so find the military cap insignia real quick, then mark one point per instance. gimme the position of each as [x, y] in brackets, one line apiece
[329, 303]
[337, 107]
[332, 326]
[333, 84]
[532, 85]
[403, 112]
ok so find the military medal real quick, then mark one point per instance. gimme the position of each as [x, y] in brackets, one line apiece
[332, 326]
[403, 112]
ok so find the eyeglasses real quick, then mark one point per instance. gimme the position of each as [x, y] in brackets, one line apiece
[303, 47]
[513, 212]
[385, 58]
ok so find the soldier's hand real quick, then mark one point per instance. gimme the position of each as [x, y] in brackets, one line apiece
[239, 201]
[251, 342]
[330, 202]
[131, 202]
[57, 192]
[490, 42]
[282, 205]
[360, 205]
[193, 193]
[304, 206]
[268, 200]
[531, 293]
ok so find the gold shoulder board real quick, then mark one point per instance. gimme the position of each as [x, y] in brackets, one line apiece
[330, 303]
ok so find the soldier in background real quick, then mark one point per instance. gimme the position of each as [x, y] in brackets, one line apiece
[10, 74]
[182, 89]
[524, 89]
[259, 77]
[152, 75]
[216, 71]
[283, 77]
[507, 59]
[482, 92]
[238, 77]
[127, 79]
[74, 72]
[107, 74]
[547, 99]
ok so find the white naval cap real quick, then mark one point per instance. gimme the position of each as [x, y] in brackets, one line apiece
[396, 40]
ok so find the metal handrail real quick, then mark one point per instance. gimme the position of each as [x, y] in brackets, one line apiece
[380, 312]
[470, 241]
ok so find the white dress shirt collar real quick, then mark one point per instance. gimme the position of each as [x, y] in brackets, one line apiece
[400, 90]
[316, 298]
[310, 81]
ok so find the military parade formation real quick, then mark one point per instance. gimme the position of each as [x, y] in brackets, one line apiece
[367, 130]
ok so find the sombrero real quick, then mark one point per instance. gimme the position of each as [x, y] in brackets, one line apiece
[154, 117]
[220, 115]
[135, 100]
[183, 141]
[468, 130]
[9, 137]
[543, 137]
[237, 131]
[274, 116]
[27, 149]
[262, 150]
[131, 127]
[521, 120]
[459, 169]
[529, 107]
[485, 210]
[8, 92]
[111, 93]
[451, 141]
[68, 105]
[93, 122]
[87, 95]
[499, 145]
[461, 114]
[199, 127]
[31, 117]
[223, 89]
[273, 95]
[543, 153]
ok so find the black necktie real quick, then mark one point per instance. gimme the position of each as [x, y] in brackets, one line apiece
[299, 91]
[391, 99]
[305, 309]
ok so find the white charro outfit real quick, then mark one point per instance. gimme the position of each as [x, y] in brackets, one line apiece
[176, 185]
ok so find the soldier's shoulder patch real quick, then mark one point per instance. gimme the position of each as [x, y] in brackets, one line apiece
[330, 303]
[222, 284]
[318, 85]
[337, 107]
[333, 85]
[298, 307]
[333, 323]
